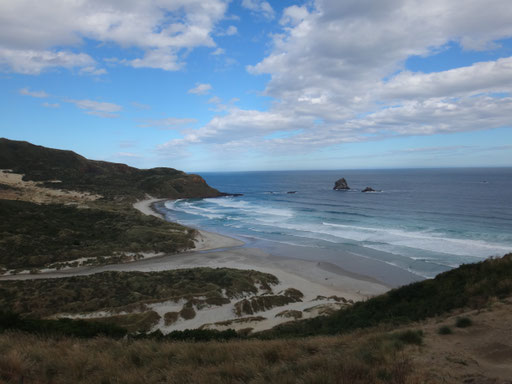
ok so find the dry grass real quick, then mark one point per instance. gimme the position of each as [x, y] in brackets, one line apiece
[357, 358]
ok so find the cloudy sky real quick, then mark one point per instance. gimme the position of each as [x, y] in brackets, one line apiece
[261, 85]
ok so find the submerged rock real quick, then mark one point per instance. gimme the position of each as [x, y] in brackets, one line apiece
[341, 185]
[368, 189]
[291, 192]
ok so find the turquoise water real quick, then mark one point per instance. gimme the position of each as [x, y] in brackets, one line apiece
[422, 221]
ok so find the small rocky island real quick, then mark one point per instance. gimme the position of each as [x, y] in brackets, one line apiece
[341, 185]
[368, 189]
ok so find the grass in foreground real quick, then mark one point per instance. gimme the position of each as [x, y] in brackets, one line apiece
[359, 358]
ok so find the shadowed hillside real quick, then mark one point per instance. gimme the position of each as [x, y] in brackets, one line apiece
[75, 172]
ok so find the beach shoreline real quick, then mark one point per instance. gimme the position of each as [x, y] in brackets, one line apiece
[325, 287]
[205, 240]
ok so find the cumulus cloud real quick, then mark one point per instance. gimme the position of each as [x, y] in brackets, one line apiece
[491, 76]
[33, 62]
[230, 31]
[260, 7]
[337, 75]
[38, 94]
[97, 108]
[200, 89]
[162, 29]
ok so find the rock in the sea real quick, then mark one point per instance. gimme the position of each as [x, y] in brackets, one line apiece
[291, 192]
[341, 185]
[368, 189]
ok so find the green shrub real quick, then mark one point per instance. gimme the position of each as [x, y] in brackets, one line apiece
[35, 236]
[61, 327]
[463, 322]
[445, 330]
[409, 337]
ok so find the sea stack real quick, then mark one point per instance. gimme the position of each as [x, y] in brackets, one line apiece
[341, 185]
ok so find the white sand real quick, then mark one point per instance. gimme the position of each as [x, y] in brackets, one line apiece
[312, 278]
[34, 192]
[204, 240]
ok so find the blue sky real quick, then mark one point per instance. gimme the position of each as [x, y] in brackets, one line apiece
[261, 85]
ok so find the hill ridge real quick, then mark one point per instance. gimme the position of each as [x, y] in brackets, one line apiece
[75, 172]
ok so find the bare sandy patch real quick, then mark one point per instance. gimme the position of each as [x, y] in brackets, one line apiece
[31, 191]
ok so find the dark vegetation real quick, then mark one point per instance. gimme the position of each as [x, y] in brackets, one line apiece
[470, 285]
[195, 335]
[60, 327]
[463, 322]
[126, 291]
[111, 180]
[445, 330]
[33, 235]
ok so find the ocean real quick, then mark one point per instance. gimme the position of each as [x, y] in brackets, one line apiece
[423, 221]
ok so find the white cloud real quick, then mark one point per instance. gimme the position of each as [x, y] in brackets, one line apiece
[33, 62]
[200, 89]
[157, 58]
[259, 6]
[232, 30]
[31, 31]
[38, 94]
[168, 123]
[219, 51]
[491, 76]
[97, 108]
[337, 75]
[214, 100]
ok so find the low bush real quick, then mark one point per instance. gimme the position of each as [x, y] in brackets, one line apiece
[463, 322]
[61, 327]
[445, 330]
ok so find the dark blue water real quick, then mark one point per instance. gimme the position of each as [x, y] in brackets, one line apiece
[423, 221]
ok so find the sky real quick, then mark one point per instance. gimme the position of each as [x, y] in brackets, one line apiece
[244, 85]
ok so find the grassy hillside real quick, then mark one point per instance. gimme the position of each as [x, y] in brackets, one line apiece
[34, 236]
[76, 172]
[470, 285]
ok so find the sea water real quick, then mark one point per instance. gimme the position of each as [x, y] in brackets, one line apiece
[424, 221]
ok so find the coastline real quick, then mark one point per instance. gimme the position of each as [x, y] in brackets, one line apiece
[314, 279]
[325, 287]
[205, 240]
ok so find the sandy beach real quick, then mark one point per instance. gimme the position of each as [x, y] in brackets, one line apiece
[322, 284]
[325, 287]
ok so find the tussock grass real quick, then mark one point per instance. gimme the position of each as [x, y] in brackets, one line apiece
[359, 358]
